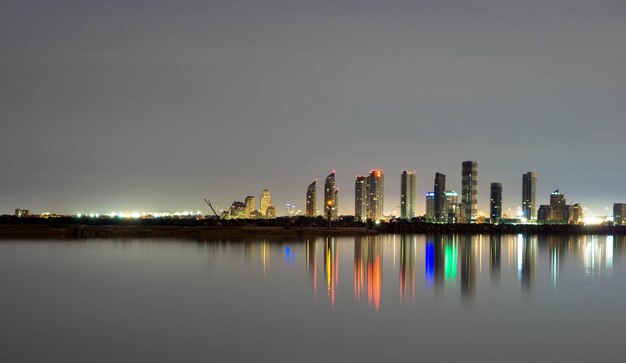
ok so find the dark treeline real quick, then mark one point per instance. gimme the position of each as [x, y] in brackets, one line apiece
[393, 226]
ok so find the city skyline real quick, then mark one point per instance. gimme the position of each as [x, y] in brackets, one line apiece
[129, 107]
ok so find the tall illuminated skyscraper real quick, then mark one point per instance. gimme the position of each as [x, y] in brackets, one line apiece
[311, 198]
[250, 204]
[441, 215]
[407, 194]
[469, 189]
[265, 202]
[360, 197]
[375, 194]
[495, 202]
[330, 203]
[529, 195]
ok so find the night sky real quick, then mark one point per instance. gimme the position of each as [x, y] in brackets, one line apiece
[153, 105]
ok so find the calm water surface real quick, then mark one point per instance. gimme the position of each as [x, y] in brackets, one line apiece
[354, 299]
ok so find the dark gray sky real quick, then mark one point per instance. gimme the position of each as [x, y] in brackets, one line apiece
[153, 105]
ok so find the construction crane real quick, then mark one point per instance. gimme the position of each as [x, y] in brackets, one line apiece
[209, 203]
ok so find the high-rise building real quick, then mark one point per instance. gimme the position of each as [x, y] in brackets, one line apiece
[557, 204]
[440, 198]
[455, 212]
[495, 202]
[271, 212]
[311, 198]
[407, 194]
[250, 204]
[360, 197]
[430, 206]
[619, 214]
[330, 204]
[529, 195]
[375, 194]
[469, 189]
[265, 202]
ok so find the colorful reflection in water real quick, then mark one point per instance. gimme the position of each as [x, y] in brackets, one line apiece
[452, 262]
[368, 270]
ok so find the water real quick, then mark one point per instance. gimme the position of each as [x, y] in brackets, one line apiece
[366, 299]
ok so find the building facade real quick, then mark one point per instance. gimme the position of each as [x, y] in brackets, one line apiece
[265, 202]
[454, 211]
[440, 198]
[360, 197]
[375, 194]
[250, 203]
[469, 189]
[495, 202]
[430, 206]
[311, 200]
[529, 195]
[407, 194]
[558, 206]
[619, 214]
[330, 204]
[544, 214]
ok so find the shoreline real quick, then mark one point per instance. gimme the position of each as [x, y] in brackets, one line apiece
[197, 231]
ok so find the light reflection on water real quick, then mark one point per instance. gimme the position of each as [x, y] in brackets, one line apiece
[365, 298]
[452, 261]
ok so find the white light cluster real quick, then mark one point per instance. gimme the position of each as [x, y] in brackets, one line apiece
[138, 215]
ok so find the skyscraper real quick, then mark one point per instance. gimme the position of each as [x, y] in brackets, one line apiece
[454, 212]
[375, 194]
[619, 214]
[469, 189]
[329, 196]
[311, 198]
[265, 202]
[529, 195]
[430, 206]
[360, 197]
[250, 204]
[407, 194]
[440, 199]
[557, 203]
[495, 202]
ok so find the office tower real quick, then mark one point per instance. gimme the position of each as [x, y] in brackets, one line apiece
[311, 198]
[454, 211]
[330, 204]
[375, 194]
[336, 210]
[250, 204]
[529, 195]
[430, 206]
[469, 189]
[360, 197]
[557, 203]
[619, 214]
[440, 198]
[495, 202]
[407, 194]
[265, 202]
[271, 212]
